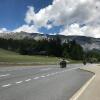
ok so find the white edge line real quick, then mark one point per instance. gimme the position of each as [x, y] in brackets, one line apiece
[80, 91]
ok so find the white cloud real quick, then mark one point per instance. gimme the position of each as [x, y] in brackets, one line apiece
[71, 13]
[62, 12]
[93, 31]
[75, 29]
[39, 19]
[26, 28]
[68, 12]
[29, 15]
[4, 30]
[49, 26]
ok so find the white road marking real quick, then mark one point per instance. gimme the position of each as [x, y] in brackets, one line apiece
[48, 75]
[4, 75]
[56, 72]
[51, 74]
[28, 80]
[36, 78]
[71, 69]
[6, 85]
[61, 71]
[19, 82]
[42, 76]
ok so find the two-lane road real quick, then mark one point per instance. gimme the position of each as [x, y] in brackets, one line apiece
[42, 83]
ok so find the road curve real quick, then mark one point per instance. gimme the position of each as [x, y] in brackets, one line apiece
[48, 83]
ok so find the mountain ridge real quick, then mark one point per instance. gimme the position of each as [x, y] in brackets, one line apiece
[88, 43]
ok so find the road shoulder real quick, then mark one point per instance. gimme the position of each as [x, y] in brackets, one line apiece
[91, 90]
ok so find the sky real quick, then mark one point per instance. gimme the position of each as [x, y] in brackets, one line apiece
[65, 17]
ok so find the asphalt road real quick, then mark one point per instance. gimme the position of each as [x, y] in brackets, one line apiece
[42, 83]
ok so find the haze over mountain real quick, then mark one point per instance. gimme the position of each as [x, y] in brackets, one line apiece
[88, 43]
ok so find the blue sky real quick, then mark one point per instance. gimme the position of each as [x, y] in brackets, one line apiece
[13, 11]
[65, 17]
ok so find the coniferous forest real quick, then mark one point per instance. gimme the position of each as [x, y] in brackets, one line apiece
[48, 47]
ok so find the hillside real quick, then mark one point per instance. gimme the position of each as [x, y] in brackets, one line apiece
[88, 43]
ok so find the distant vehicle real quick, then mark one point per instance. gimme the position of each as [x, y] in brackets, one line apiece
[63, 64]
[84, 62]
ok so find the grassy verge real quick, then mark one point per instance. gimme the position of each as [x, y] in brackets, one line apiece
[74, 61]
[8, 57]
[12, 58]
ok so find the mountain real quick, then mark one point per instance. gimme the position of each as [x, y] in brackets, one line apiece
[88, 43]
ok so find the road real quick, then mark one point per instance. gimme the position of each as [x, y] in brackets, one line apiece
[41, 83]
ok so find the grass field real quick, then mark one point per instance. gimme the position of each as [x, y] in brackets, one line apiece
[8, 57]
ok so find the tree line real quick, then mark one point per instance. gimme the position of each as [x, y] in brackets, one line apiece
[48, 47]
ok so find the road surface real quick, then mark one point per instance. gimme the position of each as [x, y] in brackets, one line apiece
[41, 83]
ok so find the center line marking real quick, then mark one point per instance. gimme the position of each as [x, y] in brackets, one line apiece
[51, 74]
[28, 80]
[6, 85]
[42, 76]
[19, 82]
[36, 78]
[48, 75]
[4, 75]
[56, 72]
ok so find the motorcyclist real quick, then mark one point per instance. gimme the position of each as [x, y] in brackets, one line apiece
[63, 63]
[84, 62]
